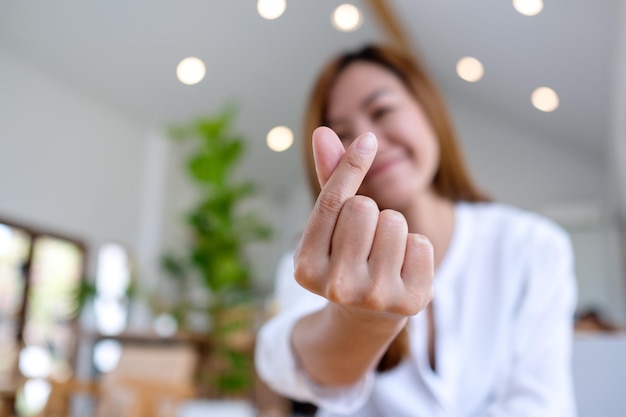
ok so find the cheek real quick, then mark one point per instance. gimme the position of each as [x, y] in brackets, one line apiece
[432, 153]
[425, 145]
[397, 194]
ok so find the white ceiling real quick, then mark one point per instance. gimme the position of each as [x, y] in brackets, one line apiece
[124, 53]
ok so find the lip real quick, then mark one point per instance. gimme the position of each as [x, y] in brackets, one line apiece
[379, 167]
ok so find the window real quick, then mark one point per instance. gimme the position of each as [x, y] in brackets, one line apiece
[40, 275]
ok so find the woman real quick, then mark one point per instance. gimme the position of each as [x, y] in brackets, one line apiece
[397, 216]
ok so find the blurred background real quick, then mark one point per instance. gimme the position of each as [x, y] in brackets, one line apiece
[113, 284]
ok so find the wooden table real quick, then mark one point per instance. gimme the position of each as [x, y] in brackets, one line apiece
[201, 343]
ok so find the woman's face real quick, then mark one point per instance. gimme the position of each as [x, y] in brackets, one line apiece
[367, 97]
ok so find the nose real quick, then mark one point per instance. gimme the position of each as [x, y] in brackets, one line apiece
[366, 126]
[383, 141]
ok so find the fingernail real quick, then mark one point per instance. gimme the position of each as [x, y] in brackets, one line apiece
[367, 143]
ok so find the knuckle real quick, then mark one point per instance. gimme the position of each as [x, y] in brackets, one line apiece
[344, 287]
[394, 219]
[338, 292]
[373, 300]
[431, 295]
[305, 273]
[301, 274]
[330, 202]
[422, 251]
[361, 205]
[354, 164]
[423, 243]
[423, 298]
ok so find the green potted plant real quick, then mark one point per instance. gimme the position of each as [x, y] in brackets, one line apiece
[219, 234]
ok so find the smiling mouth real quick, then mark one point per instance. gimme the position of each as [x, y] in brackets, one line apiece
[380, 167]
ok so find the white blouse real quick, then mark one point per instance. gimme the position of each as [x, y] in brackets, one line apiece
[504, 302]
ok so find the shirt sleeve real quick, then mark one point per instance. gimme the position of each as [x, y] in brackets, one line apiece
[540, 382]
[275, 361]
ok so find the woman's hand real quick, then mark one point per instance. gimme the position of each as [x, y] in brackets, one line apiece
[356, 256]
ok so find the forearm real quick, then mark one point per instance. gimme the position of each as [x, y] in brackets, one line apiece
[337, 347]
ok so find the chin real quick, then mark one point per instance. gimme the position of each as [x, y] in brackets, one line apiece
[393, 205]
[396, 197]
[392, 200]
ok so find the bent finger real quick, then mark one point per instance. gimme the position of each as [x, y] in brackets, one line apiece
[355, 230]
[388, 249]
[418, 272]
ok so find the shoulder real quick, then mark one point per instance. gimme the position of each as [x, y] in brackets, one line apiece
[512, 225]
[529, 255]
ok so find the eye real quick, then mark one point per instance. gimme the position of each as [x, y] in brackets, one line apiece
[381, 112]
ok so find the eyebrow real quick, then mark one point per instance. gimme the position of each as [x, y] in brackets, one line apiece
[364, 104]
[372, 97]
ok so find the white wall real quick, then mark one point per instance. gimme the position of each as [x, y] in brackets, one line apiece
[67, 162]
[522, 166]
[617, 148]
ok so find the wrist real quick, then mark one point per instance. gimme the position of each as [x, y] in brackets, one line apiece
[372, 322]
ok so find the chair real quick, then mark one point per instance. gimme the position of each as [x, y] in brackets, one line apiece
[148, 381]
[61, 392]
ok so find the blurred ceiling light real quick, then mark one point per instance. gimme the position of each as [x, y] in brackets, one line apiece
[271, 9]
[470, 69]
[280, 138]
[528, 7]
[190, 71]
[346, 18]
[545, 99]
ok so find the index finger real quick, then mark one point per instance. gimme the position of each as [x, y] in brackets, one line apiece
[343, 183]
